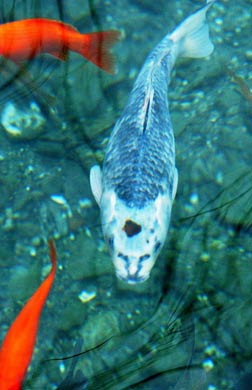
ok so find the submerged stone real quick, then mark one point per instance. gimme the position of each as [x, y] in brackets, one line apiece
[22, 124]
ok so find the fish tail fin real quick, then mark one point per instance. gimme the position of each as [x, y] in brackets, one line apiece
[192, 35]
[96, 47]
[18, 345]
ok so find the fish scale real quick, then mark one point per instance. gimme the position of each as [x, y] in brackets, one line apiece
[140, 157]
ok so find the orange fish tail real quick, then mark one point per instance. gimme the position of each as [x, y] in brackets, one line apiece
[18, 345]
[96, 47]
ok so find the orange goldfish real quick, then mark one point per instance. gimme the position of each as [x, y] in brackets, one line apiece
[22, 40]
[17, 347]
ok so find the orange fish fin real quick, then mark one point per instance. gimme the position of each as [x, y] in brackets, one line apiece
[65, 26]
[97, 48]
[16, 351]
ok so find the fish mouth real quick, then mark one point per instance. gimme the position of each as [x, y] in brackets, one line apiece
[132, 279]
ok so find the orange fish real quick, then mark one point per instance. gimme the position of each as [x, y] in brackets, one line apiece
[17, 348]
[22, 40]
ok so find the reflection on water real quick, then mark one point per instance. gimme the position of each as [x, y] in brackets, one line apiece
[189, 326]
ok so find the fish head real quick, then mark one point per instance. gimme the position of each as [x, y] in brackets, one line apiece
[135, 236]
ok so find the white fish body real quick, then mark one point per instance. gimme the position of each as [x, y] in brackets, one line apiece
[137, 186]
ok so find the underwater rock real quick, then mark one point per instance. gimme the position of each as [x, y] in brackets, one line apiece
[233, 203]
[86, 156]
[50, 148]
[23, 282]
[86, 296]
[54, 217]
[248, 55]
[22, 124]
[86, 260]
[99, 327]
[72, 315]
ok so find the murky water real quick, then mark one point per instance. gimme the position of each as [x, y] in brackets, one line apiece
[189, 325]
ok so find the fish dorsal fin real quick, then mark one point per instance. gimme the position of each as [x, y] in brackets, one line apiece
[44, 21]
[96, 183]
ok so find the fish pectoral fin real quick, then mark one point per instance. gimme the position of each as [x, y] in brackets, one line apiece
[95, 178]
[175, 184]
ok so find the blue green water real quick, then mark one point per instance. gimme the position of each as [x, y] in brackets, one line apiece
[189, 325]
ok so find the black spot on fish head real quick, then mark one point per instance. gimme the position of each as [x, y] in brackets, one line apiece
[131, 228]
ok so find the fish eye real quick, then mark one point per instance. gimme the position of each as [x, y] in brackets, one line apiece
[144, 257]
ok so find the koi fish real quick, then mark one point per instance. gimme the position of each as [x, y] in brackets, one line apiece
[22, 40]
[138, 183]
[17, 347]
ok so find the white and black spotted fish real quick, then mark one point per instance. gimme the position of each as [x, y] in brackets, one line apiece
[138, 183]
